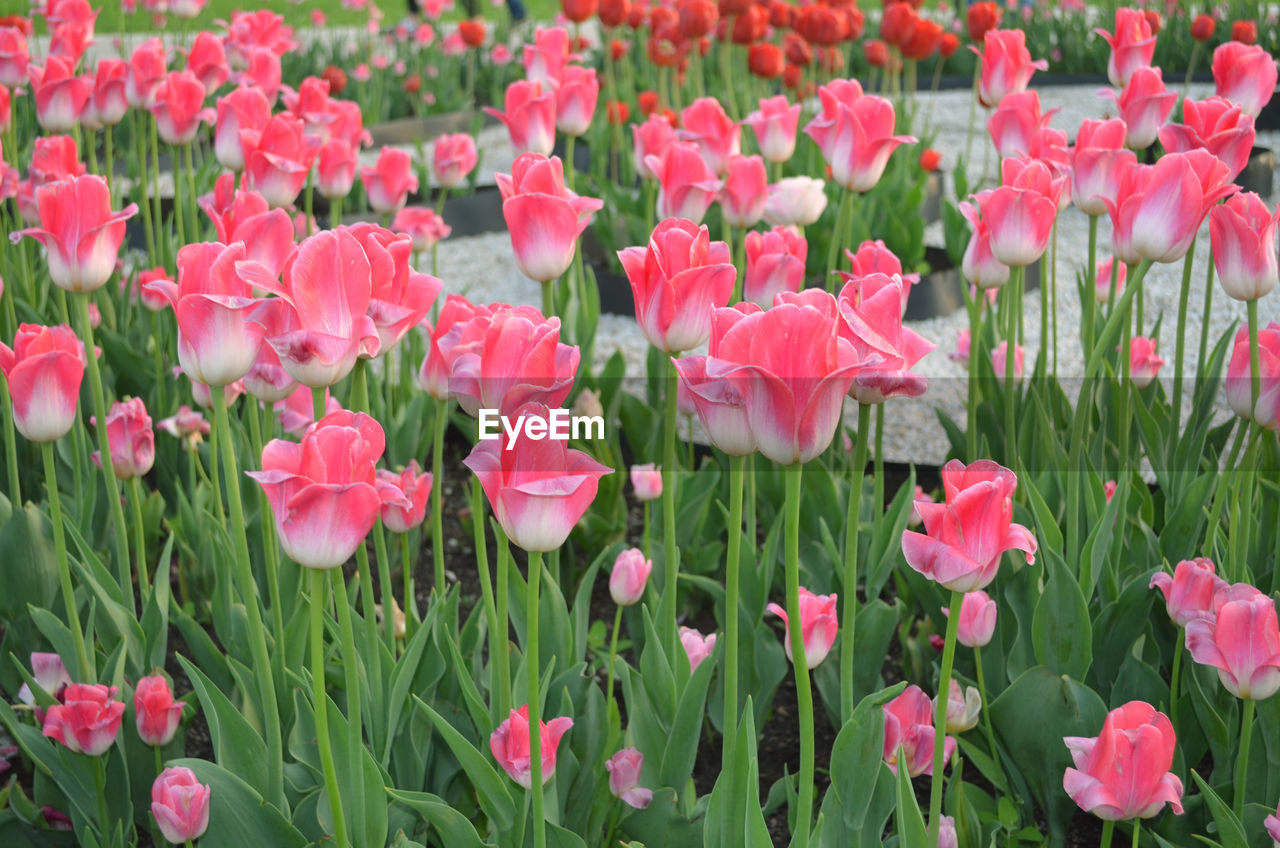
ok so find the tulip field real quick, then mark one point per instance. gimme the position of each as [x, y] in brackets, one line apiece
[422, 428]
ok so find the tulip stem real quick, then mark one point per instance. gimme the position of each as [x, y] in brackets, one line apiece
[1224, 475]
[975, 334]
[109, 171]
[499, 647]
[795, 630]
[670, 562]
[319, 600]
[1137, 831]
[1242, 757]
[437, 485]
[837, 236]
[940, 718]
[1180, 341]
[10, 444]
[849, 586]
[155, 175]
[253, 613]
[533, 670]
[1108, 830]
[135, 495]
[608, 692]
[648, 553]
[486, 581]
[732, 564]
[1255, 384]
[270, 552]
[410, 602]
[104, 448]
[1010, 361]
[86, 670]
[982, 690]
[1204, 318]
[192, 202]
[1174, 681]
[144, 182]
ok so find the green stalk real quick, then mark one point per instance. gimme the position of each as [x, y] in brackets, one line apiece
[192, 203]
[140, 551]
[1108, 829]
[1174, 680]
[982, 690]
[1242, 757]
[1224, 475]
[1011, 357]
[351, 660]
[849, 586]
[837, 236]
[568, 161]
[437, 483]
[410, 601]
[1255, 384]
[975, 330]
[613, 653]
[532, 666]
[179, 207]
[109, 171]
[10, 444]
[100, 789]
[486, 581]
[144, 181]
[1137, 831]
[500, 646]
[940, 719]
[1090, 302]
[319, 600]
[155, 197]
[878, 458]
[385, 589]
[85, 665]
[269, 542]
[804, 692]
[670, 565]
[1180, 341]
[1204, 315]
[732, 563]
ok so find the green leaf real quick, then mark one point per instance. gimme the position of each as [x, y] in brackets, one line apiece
[236, 744]
[490, 786]
[734, 818]
[238, 816]
[31, 570]
[1060, 630]
[1230, 830]
[454, 828]
[682, 741]
[911, 825]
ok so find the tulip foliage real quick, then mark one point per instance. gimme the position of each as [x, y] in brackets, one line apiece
[317, 547]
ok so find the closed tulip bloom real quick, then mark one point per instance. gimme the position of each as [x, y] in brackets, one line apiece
[131, 438]
[1245, 74]
[629, 576]
[963, 708]
[818, 626]
[947, 825]
[180, 804]
[1123, 772]
[60, 95]
[1144, 363]
[719, 404]
[1243, 234]
[1144, 105]
[999, 361]
[795, 201]
[1159, 208]
[676, 280]
[980, 265]
[389, 182]
[452, 158]
[510, 746]
[1214, 124]
[278, 166]
[1132, 45]
[507, 357]
[650, 139]
[422, 225]
[743, 196]
[241, 117]
[1015, 122]
[1242, 642]
[178, 107]
[44, 370]
[624, 778]
[687, 185]
[545, 59]
[908, 727]
[1102, 288]
[1189, 592]
[1097, 160]
[109, 100]
[146, 70]
[415, 485]
[158, 713]
[646, 482]
[576, 99]
[1006, 66]
[696, 646]
[977, 618]
[538, 489]
[1239, 381]
[855, 134]
[87, 719]
[775, 264]
[544, 217]
[774, 125]
[336, 168]
[445, 336]
[871, 320]
[399, 297]
[207, 59]
[80, 233]
[1020, 214]
[966, 536]
[874, 257]
[717, 136]
[14, 56]
[324, 492]
[530, 117]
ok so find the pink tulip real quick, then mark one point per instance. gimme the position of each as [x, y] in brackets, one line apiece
[263, 71]
[646, 482]
[1215, 124]
[1245, 75]
[511, 748]
[6, 110]
[1123, 772]
[399, 297]
[624, 778]
[980, 265]
[650, 139]
[964, 707]
[1243, 234]
[242, 115]
[1272, 825]
[158, 713]
[452, 158]
[999, 362]
[1144, 363]
[1132, 45]
[336, 169]
[775, 264]
[629, 576]
[186, 9]
[1242, 642]
[311, 103]
[1015, 122]
[14, 57]
[1189, 592]
[203, 395]
[545, 59]
[908, 726]
[716, 136]
[178, 106]
[855, 134]
[324, 492]
[1239, 381]
[966, 537]
[44, 370]
[961, 355]
[87, 719]
[676, 281]
[131, 439]
[390, 181]
[687, 186]
[109, 100]
[207, 59]
[818, 626]
[742, 198]
[1102, 288]
[80, 233]
[146, 70]
[775, 124]
[423, 226]
[947, 833]
[1144, 105]
[51, 675]
[186, 424]
[278, 166]
[545, 218]
[1006, 65]
[319, 323]
[60, 95]
[437, 366]
[530, 117]
[873, 257]
[795, 201]
[576, 100]
[977, 618]
[415, 485]
[718, 403]
[696, 646]
[297, 411]
[180, 804]
[267, 380]
[871, 320]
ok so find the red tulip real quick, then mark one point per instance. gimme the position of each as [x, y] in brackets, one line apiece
[1245, 32]
[324, 492]
[415, 485]
[473, 31]
[871, 320]
[908, 726]
[87, 719]
[452, 158]
[696, 646]
[922, 40]
[1097, 161]
[765, 60]
[717, 137]
[80, 233]
[207, 59]
[1015, 123]
[818, 626]
[157, 712]
[743, 196]
[131, 439]
[60, 95]
[1216, 125]
[109, 101]
[511, 748]
[1239, 382]
[749, 26]
[545, 218]
[1202, 27]
[981, 18]
[579, 11]
[278, 166]
[14, 56]
[1245, 75]
[1144, 105]
[676, 280]
[538, 488]
[178, 106]
[576, 100]
[797, 49]
[1189, 592]
[1006, 65]
[855, 134]
[966, 537]
[390, 181]
[624, 778]
[629, 576]
[1132, 45]
[180, 804]
[530, 117]
[44, 370]
[1144, 363]
[949, 44]
[146, 70]
[775, 264]
[977, 618]
[336, 169]
[545, 59]
[613, 13]
[652, 138]
[241, 117]
[1123, 772]
[774, 125]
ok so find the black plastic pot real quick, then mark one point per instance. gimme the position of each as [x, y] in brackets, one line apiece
[931, 209]
[615, 292]
[414, 130]
[941, 291]
[1258, 172]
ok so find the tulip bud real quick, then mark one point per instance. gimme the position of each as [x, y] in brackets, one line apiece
[624, 778]
[963, 708]
[646, 480]
[630, 573]
[180, 804]
[817, 624]
[696, 646]
[158, 714]
[131, 439]
[977, 619]
[510, 746]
